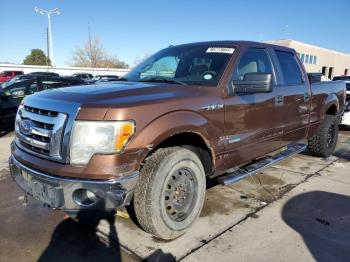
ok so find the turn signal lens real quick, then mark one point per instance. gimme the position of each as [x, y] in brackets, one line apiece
[126, 130]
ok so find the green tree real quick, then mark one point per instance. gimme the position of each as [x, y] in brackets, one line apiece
[37, 57]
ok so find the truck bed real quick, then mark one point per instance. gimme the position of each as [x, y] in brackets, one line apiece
[321, 93]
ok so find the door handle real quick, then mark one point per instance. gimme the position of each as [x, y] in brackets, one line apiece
[279, 100]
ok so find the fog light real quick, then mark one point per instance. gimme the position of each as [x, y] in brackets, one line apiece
[84, 197]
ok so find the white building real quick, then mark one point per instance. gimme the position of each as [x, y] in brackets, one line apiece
[317, 59]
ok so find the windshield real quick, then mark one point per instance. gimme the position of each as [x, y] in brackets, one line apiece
[197, 64]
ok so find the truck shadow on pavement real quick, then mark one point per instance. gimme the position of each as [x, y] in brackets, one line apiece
[343, 153]
[77, 240]
[323, 220]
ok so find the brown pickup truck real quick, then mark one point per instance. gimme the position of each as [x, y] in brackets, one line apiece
[189, 113]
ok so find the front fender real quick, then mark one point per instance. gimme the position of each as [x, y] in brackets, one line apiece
[171, 124]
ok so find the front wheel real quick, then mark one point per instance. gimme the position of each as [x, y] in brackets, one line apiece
[170, 192]
[323, 143]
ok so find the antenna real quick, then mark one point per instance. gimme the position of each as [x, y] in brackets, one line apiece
[90, 46]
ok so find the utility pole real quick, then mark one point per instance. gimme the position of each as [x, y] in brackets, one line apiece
[47, 46]
[49, 13]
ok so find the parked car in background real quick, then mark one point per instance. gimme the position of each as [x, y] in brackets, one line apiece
[346, 117]
[8, 111]
[7, 75]
[317, 77]
[187, 114]
[28, 76]
[88, 78]
[106, 78]
[43, 74]
[31, 84]
[344, 78]
[12, 93]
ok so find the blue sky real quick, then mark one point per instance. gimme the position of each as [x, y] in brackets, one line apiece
[133, 28]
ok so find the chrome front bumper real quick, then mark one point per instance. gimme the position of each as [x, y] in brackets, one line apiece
[61, 193]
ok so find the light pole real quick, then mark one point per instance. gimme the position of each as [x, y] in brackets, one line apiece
[49, 13]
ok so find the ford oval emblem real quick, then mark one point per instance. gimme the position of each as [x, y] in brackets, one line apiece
[26, 127]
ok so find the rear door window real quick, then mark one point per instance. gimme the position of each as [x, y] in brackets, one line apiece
[290, 68]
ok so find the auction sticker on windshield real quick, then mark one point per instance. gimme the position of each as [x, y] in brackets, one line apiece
[225, 50]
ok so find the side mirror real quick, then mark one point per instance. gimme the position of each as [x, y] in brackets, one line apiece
[253, 83]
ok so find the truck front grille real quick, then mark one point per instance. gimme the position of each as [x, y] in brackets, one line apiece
[40, 131]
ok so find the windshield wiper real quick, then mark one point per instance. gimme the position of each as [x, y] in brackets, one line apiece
[163, 80]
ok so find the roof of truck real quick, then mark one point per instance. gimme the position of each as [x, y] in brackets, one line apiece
[239, 43]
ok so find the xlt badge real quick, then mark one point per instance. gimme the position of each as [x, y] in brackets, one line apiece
[213, 107]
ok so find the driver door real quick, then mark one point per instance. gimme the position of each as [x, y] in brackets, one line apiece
[253, 121]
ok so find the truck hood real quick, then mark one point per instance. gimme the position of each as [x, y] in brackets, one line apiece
[116, 94]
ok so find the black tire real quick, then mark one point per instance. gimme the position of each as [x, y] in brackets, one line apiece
[323, 143]
[170, 192]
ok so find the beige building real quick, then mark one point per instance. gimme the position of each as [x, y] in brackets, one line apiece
[317, 59]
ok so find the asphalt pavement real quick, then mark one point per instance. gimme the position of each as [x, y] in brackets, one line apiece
[298, 210]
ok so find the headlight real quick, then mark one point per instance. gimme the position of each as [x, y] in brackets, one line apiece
[18, 117]
[104, 137]
[18, 93]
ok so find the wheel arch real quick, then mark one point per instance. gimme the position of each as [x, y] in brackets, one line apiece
[193, 141]
[331, 105]
[181, 128]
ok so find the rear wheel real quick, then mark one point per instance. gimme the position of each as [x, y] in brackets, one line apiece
[170, 192]
[323, 143]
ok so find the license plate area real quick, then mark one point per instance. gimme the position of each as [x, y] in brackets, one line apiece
[42, 190]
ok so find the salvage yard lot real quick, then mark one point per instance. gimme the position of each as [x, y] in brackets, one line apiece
[298, 210]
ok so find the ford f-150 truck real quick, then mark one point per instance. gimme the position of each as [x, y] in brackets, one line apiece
[189, 113]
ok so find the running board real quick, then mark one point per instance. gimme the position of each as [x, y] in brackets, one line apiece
[248, 170]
